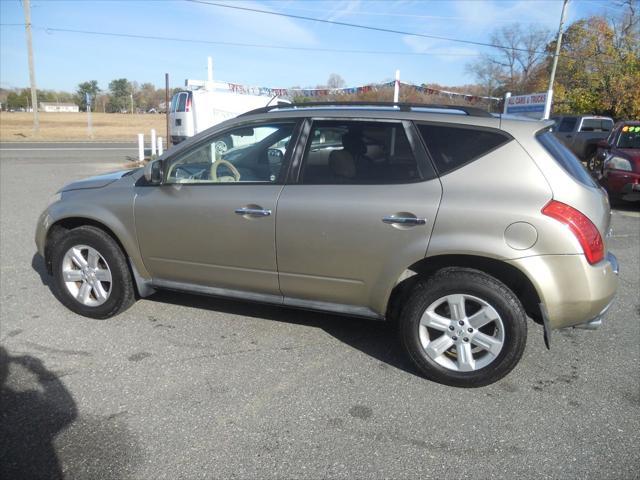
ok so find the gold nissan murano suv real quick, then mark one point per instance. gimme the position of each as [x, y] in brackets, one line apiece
[458, 225]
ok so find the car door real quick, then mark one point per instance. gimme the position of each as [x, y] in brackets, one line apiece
[211, 224]
[360, 211]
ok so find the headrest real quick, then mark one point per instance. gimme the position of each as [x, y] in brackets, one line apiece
[342, 164]
[352, 141]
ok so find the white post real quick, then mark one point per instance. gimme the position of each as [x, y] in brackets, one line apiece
[507, 96]
[141, 147]
[396, 88]
[160, 149]
[209, 84]
[153, 142]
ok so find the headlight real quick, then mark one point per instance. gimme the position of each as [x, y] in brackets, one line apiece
[618, 163]
[54, 198]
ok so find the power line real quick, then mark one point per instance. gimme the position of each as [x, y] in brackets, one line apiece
[366, 27]
[403, 15]
[389, 30]
[250, 45]
[282, 47]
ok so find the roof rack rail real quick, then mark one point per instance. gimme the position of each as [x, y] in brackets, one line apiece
[403, 107]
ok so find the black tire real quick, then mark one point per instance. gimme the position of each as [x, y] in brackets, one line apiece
[452, 281]
[594, 165]
[122, 292]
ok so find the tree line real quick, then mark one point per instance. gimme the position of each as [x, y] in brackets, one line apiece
[598, 69]
[121, 96]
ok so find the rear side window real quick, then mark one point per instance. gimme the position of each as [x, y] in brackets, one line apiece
[567, 124]
[359, 153]
[565, 158]
[452, 147]
[596, 125]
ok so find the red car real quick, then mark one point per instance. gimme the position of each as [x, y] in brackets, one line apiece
[620, 156]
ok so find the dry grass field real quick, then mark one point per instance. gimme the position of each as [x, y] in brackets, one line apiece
[17, 126]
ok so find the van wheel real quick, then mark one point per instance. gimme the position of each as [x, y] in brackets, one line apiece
[90, 273]
[224, 144]
[464, 328]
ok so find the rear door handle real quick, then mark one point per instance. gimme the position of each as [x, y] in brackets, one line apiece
[256, 212]
[404, 220]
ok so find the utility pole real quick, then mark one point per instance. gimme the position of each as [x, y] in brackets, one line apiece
[32, 74]
[166, 107]
[131, 95]
[547, 104]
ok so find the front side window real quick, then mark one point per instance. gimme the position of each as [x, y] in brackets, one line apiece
[182, 102]
[245, 154]
[359, 153]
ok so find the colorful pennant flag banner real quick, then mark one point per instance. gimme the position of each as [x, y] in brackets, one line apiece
[323, 92]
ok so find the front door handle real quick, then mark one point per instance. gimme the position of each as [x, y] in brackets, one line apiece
[404, 220]
[256, 212]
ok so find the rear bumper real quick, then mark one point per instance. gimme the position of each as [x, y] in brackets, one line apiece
[573, 292]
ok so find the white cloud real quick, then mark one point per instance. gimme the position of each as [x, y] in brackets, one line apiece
[487, 15]
[441, 50]
[255, 26]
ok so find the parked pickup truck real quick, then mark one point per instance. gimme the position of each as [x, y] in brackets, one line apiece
[581, 133]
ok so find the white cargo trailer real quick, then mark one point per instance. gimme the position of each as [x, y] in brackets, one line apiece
[193, 111]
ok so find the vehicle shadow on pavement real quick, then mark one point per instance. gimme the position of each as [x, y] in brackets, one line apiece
[31, 418]
[377, 339]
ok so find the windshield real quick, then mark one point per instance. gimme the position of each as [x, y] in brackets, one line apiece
[629, 137]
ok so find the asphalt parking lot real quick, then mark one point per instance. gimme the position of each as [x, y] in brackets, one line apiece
[182, 386]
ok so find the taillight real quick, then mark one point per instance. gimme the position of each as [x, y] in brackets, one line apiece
[584, 230]
[187, 107]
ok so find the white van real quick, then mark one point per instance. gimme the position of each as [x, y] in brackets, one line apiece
[193, 111]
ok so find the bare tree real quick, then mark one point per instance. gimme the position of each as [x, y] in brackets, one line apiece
[517, 59]
[335, 81]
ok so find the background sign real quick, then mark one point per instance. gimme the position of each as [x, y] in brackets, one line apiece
[527, 105]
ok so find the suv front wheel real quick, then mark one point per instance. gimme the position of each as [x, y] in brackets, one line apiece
[464, 328]
[90, 273]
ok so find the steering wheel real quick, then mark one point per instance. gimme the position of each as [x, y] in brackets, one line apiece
[224, 178]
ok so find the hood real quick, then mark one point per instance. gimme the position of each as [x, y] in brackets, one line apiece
[630, 153]
[98, 181]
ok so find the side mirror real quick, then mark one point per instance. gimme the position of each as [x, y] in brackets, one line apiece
[153, 172]
[603, 144]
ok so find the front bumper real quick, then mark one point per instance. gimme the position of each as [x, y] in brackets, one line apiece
[572, 291]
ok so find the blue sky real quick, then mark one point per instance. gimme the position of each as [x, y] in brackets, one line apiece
[62, 60]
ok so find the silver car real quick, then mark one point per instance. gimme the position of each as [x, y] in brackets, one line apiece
[458, 225]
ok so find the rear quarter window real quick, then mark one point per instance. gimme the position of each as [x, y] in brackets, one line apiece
[451, 147]
[565, 157]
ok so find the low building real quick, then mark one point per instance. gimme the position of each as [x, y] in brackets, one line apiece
[58, 107]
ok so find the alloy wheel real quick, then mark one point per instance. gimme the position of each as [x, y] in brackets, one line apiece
[86, 275]
[461, 332]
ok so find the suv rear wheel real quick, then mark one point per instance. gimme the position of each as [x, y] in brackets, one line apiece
[90, 273]
[464, 328]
